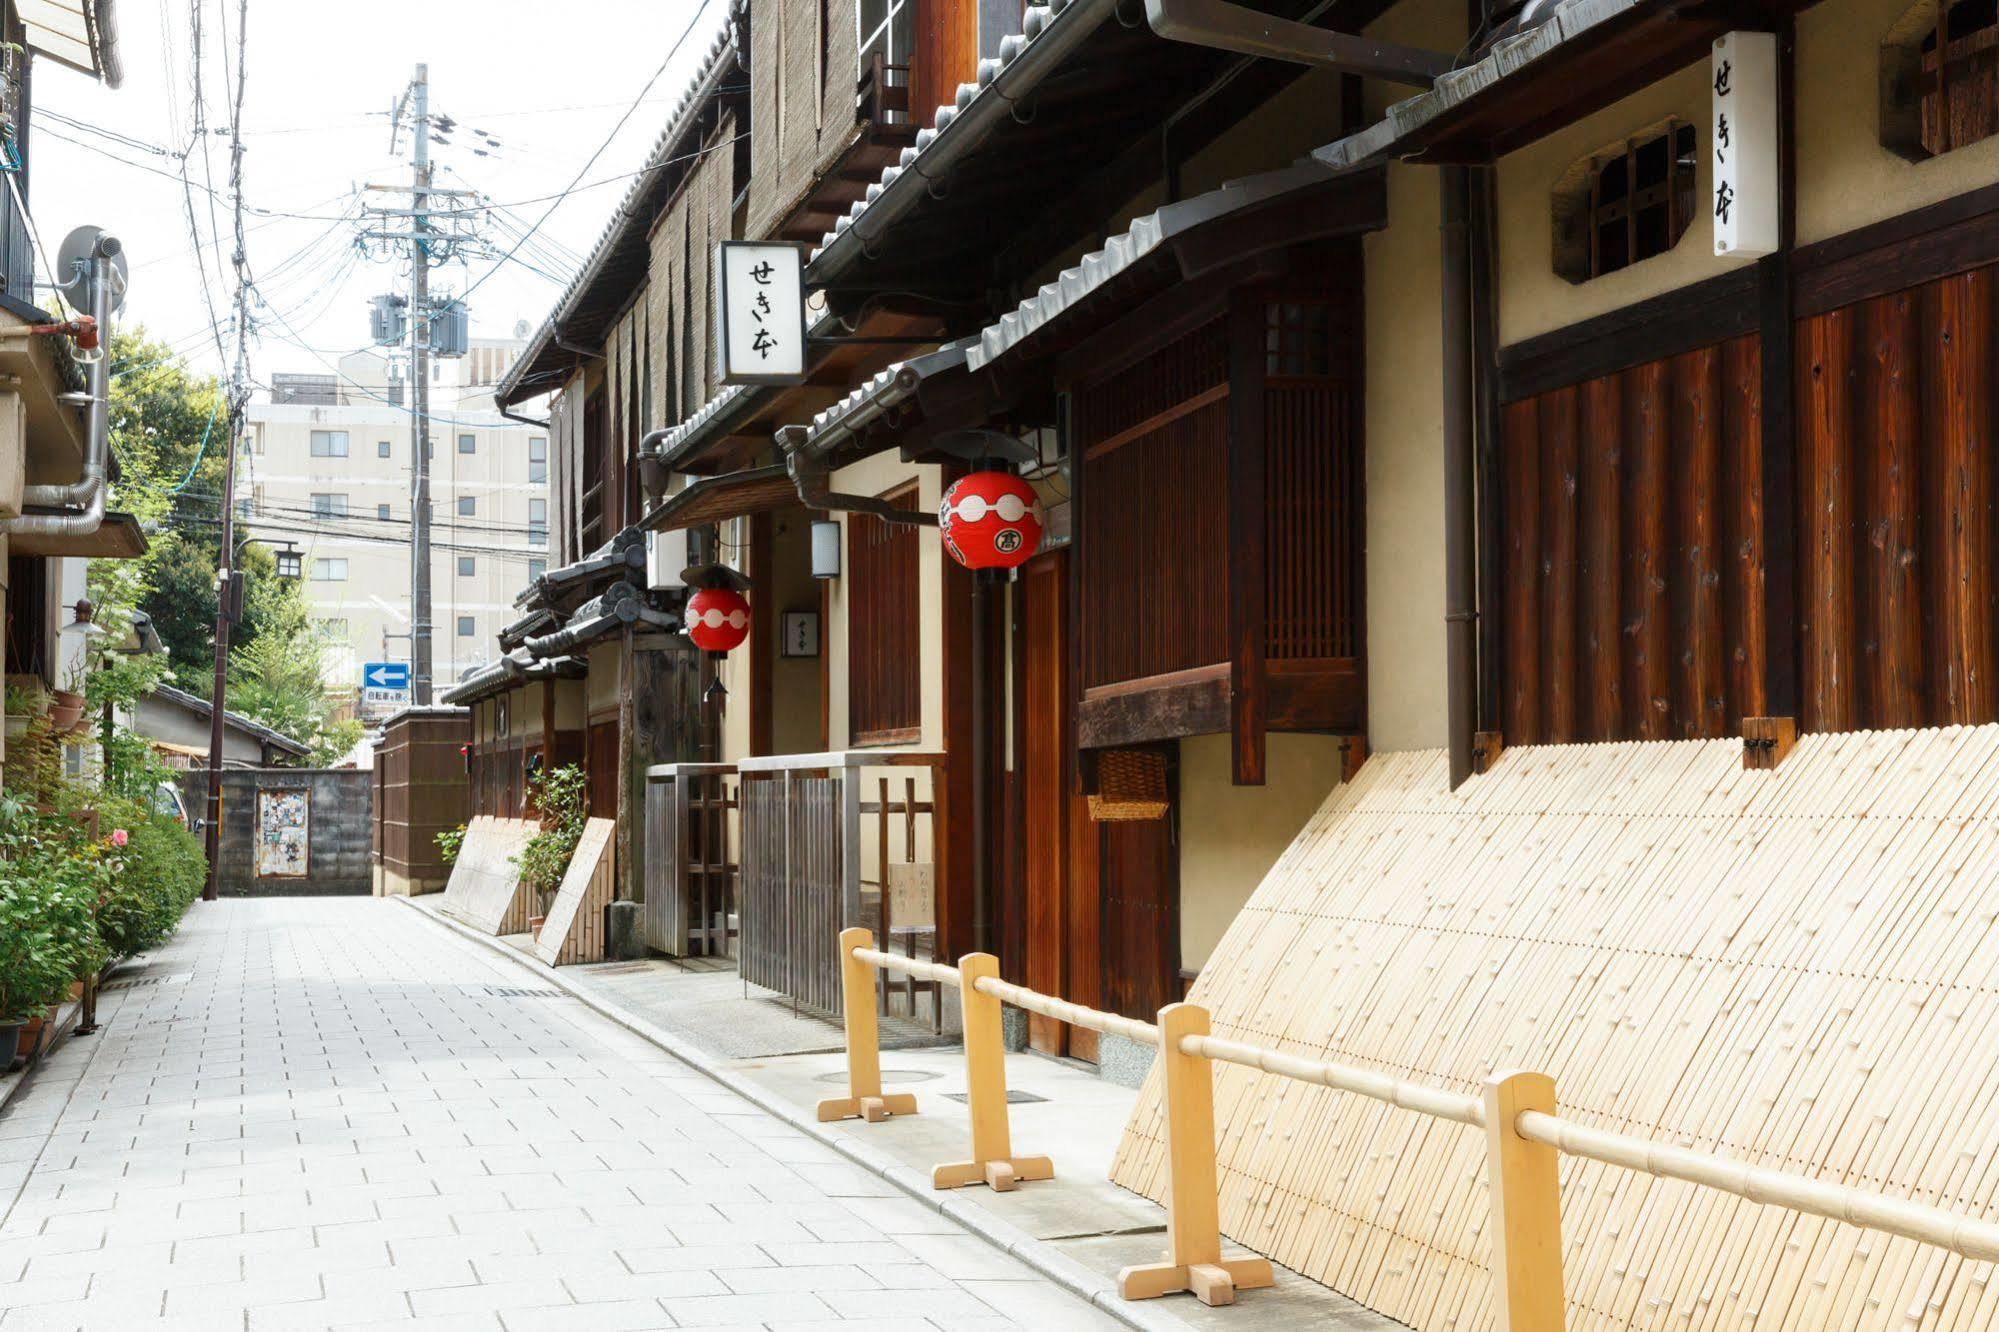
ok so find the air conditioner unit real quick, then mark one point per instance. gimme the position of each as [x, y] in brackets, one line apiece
[666, 558]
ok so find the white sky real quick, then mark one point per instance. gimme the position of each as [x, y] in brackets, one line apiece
[549, 81]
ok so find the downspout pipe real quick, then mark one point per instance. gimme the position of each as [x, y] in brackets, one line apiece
[1460, 572]
[809, 476]
[513, 415]
[82, 503]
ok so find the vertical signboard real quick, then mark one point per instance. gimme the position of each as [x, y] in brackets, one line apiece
[760, 313]
[1747, 194]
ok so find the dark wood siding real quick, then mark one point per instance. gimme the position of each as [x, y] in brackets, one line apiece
[1897, 488]
[1632, 513]
[884, 679]
[1631, 552]
[1154, 585]
[1140, 885]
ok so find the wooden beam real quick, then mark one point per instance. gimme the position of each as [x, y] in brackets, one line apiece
[1776, 326]
[1679, 321]
[1248, 505]
[1196, 705]
[955, 854]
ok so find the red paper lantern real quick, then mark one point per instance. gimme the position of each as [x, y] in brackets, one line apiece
[990, 520]
[717, 619]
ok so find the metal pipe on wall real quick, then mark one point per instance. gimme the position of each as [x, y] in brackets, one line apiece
[80, 506]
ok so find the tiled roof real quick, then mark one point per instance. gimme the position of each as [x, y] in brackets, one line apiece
[1567, 21]
[1048, 32]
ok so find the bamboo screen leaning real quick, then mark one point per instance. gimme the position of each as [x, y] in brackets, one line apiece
[1798, 969]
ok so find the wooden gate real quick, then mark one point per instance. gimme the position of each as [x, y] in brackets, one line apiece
[800, 882]
[690, 899]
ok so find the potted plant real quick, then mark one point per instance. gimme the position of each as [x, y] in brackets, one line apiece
[66, 705]
[25, 700]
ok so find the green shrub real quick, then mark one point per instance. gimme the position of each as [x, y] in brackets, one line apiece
[51, 877]
[448, 843]
[161, 869]
[562, 797]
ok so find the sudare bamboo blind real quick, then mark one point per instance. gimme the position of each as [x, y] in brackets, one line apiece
[1797, 969]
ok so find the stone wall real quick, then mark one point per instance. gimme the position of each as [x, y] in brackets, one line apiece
[339, 831]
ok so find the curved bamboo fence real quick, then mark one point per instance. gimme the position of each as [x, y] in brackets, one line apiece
[1795, 969]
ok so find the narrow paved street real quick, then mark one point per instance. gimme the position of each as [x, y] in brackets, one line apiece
[332, 1113]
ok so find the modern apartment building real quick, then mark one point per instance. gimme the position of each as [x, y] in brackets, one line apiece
[328, 472]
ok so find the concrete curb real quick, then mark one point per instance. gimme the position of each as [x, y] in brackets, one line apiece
[1037, 1254]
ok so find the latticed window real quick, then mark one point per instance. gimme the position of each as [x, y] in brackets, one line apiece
[1626, 204]
[885, 692]
[1940, 77]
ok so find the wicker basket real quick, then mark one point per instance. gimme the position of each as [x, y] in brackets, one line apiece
[1131, 786]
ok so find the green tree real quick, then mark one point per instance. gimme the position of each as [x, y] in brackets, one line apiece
[275, 678]
[170, 431]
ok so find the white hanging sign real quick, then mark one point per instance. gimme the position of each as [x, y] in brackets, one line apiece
[760, 313]
[1747, 194]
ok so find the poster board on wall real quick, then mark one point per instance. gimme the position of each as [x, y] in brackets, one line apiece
[284, 828]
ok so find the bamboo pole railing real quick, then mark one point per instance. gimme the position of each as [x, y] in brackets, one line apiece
[1525, 1140]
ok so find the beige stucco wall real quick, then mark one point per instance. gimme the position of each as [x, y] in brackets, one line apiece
[795, 702]
[1846, 179]
[1231, 835]
[1405, 470]
[1533, 298]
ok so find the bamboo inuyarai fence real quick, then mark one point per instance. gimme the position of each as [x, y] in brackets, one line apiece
[1524, 1139]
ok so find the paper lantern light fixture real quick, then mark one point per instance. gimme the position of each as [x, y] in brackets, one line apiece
[718, 618]
[990, 520]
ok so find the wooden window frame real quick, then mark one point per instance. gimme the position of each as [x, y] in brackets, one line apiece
[1916, 83]
[864, 582]
[1581, 213]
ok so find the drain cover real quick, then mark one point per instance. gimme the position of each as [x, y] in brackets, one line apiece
[888, 1075]
[521, 992]
[1013, 1097]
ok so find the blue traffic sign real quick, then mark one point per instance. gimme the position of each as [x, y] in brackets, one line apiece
[385, 675]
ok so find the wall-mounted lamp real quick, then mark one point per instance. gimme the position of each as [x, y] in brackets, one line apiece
[826, 549]
[83, 622]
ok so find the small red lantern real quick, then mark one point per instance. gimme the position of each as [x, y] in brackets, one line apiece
[990, 520]
[718, 619]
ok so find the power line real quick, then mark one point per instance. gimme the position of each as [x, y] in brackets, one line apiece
[591, 161]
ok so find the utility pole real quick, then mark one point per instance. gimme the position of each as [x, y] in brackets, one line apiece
[429, 234]
[420, 260]
[228, 583]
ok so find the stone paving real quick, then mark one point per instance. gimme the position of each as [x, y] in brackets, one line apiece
[330, 1113]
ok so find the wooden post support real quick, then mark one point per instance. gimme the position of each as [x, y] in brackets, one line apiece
[1526, 1206]
[1767, 741]
[864, 1057]
[993, 1162]
[1193, 1258]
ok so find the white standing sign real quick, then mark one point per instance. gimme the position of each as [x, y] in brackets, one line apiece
[760, 313]
[1747, 194]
